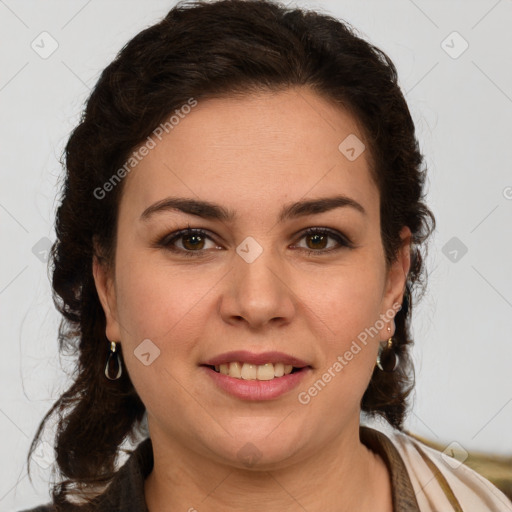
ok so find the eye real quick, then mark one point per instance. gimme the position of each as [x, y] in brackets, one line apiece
[192, 241]
[317, 240]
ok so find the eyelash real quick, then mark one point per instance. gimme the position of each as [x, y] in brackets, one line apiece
[167, 241]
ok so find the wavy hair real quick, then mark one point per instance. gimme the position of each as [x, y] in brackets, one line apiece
[203, 50]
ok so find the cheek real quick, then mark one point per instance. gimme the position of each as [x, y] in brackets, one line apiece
[350, 302]
[349, 311]
[171, 302]
[166, 305]
[174, 307]
[157, 300]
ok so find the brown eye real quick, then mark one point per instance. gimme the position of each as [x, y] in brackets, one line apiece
[192, 242]
[317, 240]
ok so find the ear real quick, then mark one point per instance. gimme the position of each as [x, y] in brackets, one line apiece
[104, 282]
[396, 281]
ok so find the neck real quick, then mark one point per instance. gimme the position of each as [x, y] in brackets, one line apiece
[343, 476]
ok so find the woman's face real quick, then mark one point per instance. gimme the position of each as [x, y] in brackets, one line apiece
[248, 283]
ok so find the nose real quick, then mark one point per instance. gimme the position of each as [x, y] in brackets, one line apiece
[258, 292]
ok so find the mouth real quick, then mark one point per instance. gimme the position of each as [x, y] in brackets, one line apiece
[248, 371]
[264, 366]
[256, 377]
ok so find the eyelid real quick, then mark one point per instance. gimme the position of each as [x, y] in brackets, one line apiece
[166, 242]
[175, 235]
[343, 239]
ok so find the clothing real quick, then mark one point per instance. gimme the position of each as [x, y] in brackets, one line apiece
[421, 479]
[442, 485]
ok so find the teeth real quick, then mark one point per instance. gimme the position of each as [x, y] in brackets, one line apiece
[249, 371]
[265, 372]
[235, 370]
[279, 369]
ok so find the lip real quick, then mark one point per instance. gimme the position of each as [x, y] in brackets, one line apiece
[244, 356]
[257, 390]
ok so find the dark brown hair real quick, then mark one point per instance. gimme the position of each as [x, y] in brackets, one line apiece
[201, 50]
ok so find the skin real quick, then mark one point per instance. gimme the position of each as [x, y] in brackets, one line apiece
[253, 155]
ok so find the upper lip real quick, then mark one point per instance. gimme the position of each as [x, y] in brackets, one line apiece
[245, 356]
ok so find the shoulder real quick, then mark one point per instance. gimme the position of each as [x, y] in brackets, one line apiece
[443, 480]
[126, 489]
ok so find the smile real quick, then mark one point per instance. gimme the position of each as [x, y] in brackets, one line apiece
[248, 371]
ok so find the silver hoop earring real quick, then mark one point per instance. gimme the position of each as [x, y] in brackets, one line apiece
[387, 358]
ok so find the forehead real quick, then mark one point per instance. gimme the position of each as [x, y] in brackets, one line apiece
[252, 152]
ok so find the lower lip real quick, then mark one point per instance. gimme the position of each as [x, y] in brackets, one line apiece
[257, 389]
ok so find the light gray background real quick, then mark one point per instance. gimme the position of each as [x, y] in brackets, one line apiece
[462, 108]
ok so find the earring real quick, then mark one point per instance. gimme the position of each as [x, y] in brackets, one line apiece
[387, 358]
[113, 368]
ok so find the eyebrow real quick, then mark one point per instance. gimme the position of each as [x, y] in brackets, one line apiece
[208, 210]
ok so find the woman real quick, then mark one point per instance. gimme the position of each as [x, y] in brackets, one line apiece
[240, 236]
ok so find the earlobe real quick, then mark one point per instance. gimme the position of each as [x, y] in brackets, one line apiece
[106, 293]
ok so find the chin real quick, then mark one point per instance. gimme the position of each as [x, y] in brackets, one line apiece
[261, 451]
